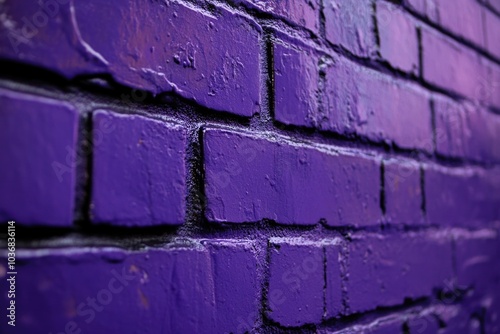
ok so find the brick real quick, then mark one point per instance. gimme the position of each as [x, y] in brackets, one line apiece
[304, 13]
[234, 269]
[476, 258]
[398, 37]
[495, 4]
[427, 8]
[249, 178]
[333, 293]
[451, 66]
[492, 33]
[138, 172]
[403, 194]
[466, 130]
[349, 23]
[167, 47]
[462, 197]
[490, 88]
[296, 79]
[462, 17]
[383, 271]
[364, 102]
[96, 290]
[483, 131]
[451, 127]
[38, 159]
[296, 280]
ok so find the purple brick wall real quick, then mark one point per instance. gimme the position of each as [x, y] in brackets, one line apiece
[248, 166]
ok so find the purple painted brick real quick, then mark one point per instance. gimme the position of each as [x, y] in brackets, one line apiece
[482, 131]
[333, 275]
[403, 194]
[250, 178]
[466, 130]
[490, 88]
[296, 281]
[38, 159]
[398, 37]
[477, 259]
[304, 13]
[462, 197]
[296, 79]
[349, 23]
[451, 66]
[179, 290]
[451, 125]
[138, 176]
[383, 271]
[167, 47]
[461, 17]
[492, 32]
[365, 102]
[426, 8]
[236, 286]
[495, 4]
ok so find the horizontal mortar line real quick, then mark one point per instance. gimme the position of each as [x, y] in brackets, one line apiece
[380, 64]
[366, 318]
[383, 66]
[159, 237]
[308, 136]
[461, 40]
[491, 9]
[259, 14]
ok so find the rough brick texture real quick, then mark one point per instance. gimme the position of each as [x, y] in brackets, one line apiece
[87, 288]
[441, 56]
[403, 192]
[296, 82]
[250, 166]
[462, 198]
[212, 59]
[364, 102]
[349, 24]
[245, 176]
[385, 271]
[398, 37]
[38, 159]
[296, 283]
[460, 17]
[142, 181]
[304, 13]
